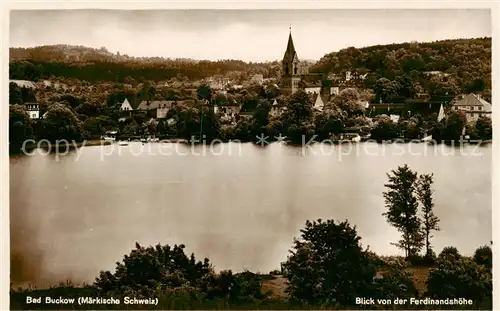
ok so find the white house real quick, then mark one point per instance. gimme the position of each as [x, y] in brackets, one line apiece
[313, 90]
[319, 104]
[473, 106]
[33, 110]
[334, 90]
[161, 107]
[125, 106]
[125, 110]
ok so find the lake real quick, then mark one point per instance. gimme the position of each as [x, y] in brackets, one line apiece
[240, 205]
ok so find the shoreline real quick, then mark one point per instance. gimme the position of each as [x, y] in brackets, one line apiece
[58, 146]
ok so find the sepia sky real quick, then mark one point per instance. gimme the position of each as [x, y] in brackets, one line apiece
[249, 35]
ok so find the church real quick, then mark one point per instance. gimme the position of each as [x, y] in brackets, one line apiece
[290, 69]
[293, 73]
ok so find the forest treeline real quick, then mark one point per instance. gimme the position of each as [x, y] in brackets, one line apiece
[466, 64]
[95, 65]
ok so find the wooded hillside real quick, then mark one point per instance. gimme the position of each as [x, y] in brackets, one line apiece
[98, 65]
[465, 63]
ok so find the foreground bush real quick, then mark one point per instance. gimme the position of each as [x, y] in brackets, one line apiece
[461, 278]
[153, 268]
[328, 267]
[165, 271]
[449, 253]
[395, 282]
[483, 256]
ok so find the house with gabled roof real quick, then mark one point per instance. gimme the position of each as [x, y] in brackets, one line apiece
[473, 106]
[159, 108]
[125, 106]
[126, 109]
[156, 108]
[319, 103]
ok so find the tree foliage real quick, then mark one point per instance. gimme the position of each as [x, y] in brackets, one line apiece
[429, 219]
[162, 269]
[465, 64]
[61, 122]
[454, 123]
[94, 65]
[484, 256]
[396, 282]
[449, 253]
[484, 128]
[402, 209]
[461, 278]
[327, 265]
[384, 129]
[20, 126]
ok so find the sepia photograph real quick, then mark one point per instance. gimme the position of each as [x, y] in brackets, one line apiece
[271, 159]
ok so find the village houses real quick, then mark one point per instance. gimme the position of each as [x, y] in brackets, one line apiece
[33, 110]
[473, 106]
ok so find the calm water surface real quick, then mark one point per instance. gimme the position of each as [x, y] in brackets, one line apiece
[78, 214]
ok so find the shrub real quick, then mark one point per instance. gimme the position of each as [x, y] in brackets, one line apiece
[395, 282]
[328, 267]
[416, 260]
[430, 258]
[20, 126]
[483, 256]
[243, 286]
[449, 253]
[376, 260]
[461, 278]
[166, 271]
[149, 269]
[392, 260]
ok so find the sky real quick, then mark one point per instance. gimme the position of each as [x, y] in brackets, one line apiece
[248, 35]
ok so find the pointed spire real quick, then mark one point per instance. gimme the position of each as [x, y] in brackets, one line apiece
[290, 52]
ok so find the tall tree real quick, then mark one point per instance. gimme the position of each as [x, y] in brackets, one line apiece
[429, 219]
[453, 126]
[386, 90]
[204, 92]
[15, 94]
[402, 208]
[61, 123]
[328, 266]
[20, 126]
[484, 128]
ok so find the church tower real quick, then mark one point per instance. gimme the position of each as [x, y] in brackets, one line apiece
[290, 77]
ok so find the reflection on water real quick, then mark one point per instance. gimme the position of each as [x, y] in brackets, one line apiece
[76, 215]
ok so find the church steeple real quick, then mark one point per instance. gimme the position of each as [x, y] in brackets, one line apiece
[290, 52]
[290, 77]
